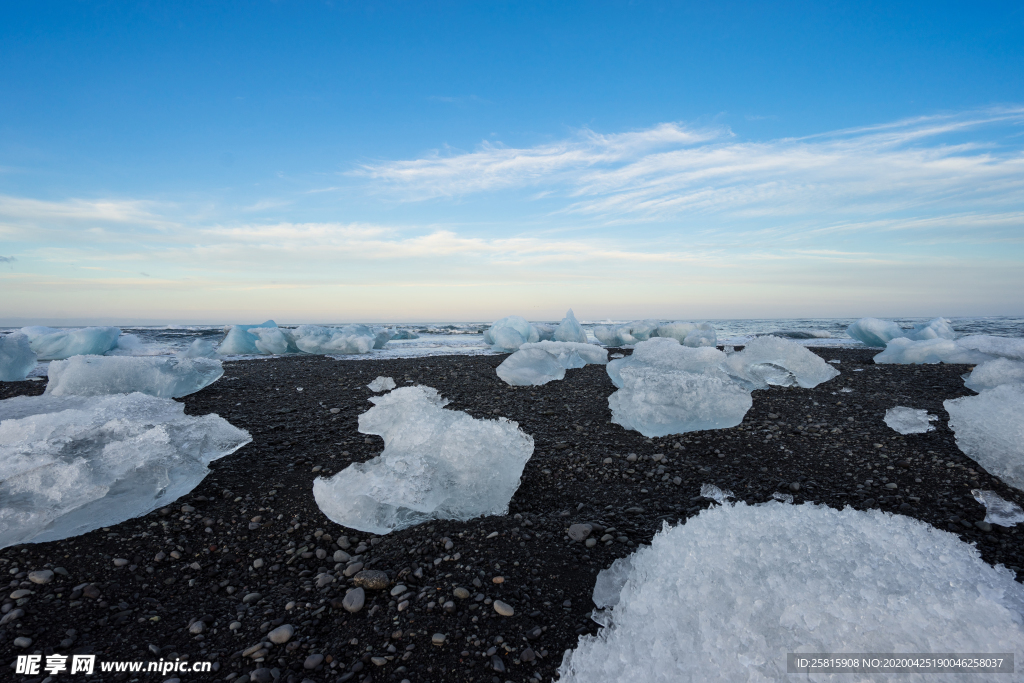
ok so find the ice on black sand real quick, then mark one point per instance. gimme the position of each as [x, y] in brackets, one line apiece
[17, 358]
[157, 376]
[381, 384]
[56, 344]
[989, 428]
[436, 464]
[910, 420]
[541, 362]
[724, 596]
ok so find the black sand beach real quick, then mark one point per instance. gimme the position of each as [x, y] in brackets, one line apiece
[137, 590]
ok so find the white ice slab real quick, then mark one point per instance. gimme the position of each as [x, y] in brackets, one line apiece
[910, 420]
[992, 373]
[100, 375]
[381, 384]
[997, 509]
[989, 428]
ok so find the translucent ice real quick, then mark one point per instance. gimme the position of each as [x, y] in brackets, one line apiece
[704, 335]
[163, 377]
[200, 348]
[271, 339]
[997, 510]
[781, 362]
[563, 351]
[688, 334]
[17, 358]
[238, 341]
[939, 328]
[875, 332]
[989, 428]
[992, 373]
[569, 330]
[436, 464]
[381, 384]
[530, 367]
[725, 596]
[612, 335]
[994, 347]
[668, 354]
[908, 351]
[511, 332]
[608, 586]
[56, 344]
[544, 332]
[909, 420]
[72, 464]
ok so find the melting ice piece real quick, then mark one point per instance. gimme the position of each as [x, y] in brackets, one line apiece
[530, 367]
[783, 497]
[910, 420]
[100, 375]
[200, 348]
[587, 353]
[938, 328]
[544, 332]
[56, 344]
[608, 587]
[436, 464]
[350, 339]
[993, 373]
[995, 347]
[714, 493]
[381, 384]
[989, 428]
[908, 351]
[511, 332]
[719, 597]
[238, 341]
[17, 358]
[771, 360]
[669, 354]
[875, 332]
[569, 330]
[72, 464]
[997, 510]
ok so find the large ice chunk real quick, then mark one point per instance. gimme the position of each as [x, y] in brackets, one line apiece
[992, 373]
[910, 420]
[436, 464]
[382, 383]
[781, 362]
[568, 352]
[989, 428]
[994, 347]
[163, 377]
[875, 332]
[569, 330]
[997, 509]
[17, 358]
[72, 464]
[511, 332]
[238, 341]
[56, 344]
[348, 339]
[531, 367]
[938, 328]
[908, 351]
[723, 597]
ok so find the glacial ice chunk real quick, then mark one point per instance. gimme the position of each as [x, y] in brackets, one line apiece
[998, 510]
[874, 332]
[238, 341]
[908, 351]
[569, 330]
[436, 464]
[511, 332]
[17, 358]
[200, 348]
[910, 420]
[611, 335]
[608, 587]
[403, 334]
[544, 332]
[351, 339]
[992, 373]
[938, 328]
[72, 464]
[771, 360]
[530, 367]
[702, 336]
[590, 354]
[57, 344]
[100, 375]
[381, 384]
[989, 428]
[718, 598]
[994, 347]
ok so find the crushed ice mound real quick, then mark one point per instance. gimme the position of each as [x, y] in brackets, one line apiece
[712, 492]
[687, 334]
[541, 362]
[993, 373]
[436, 464]
[270, 339]
[57, 344]
[907, 351]
[910, 420]
[569, 330]
[997, 510]
[381, 384]
[161, 377]
[874, 332]
[17, 358]
[724, 596]
[989, 429]
[770, 360]
[510, 332]
[72, 464]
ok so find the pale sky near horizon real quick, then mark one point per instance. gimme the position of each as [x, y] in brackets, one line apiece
[333, 162]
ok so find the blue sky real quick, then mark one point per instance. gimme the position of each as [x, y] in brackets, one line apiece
[319, 162]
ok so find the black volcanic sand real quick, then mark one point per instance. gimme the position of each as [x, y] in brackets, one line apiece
[258, 504]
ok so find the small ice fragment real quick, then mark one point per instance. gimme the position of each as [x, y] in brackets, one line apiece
[909, 420]
[784, 497]
[436, 464]
[997, 510]
[846, 390]
[989, 428]
[610, 581]
[381, 384]
[617, 355]
[530, 367]
[17, 358]
[72, 464]
[774, 361]
[714, 493]
[835, 362]
[100, 375]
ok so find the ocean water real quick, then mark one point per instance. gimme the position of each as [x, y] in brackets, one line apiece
[466, 338]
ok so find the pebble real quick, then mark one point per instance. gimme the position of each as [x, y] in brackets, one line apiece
[341, 556]
[591, 542]
[20, 593]
[373, 579]
[353, 569]
[354, 600]
[257, 563]
[461, 593]
[261, 675]
[579, 532]
[251, 597]
[197, 627]
[324, 580]
[503, 609]
[891, 485]
[120, 562]
[527, 655]
[282, 634]
[378, 661]
[312, 662]
[398, 590]
[984, 526]
[436, 639]
[22, 642]
[41, 577]
[795, 486]
[498, 579]
[92, 591]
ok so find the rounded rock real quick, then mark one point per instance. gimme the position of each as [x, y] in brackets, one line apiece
[22, 642]
[436, 639]
[354, 600]
[282, 634]
[579, 532]
[41, 577]
[372, 579]
[262, 675]
[460, 593]
[398, 590]
[795, 486]
[312, 662]
[120, 562]
[197, 627]
[503, 609]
